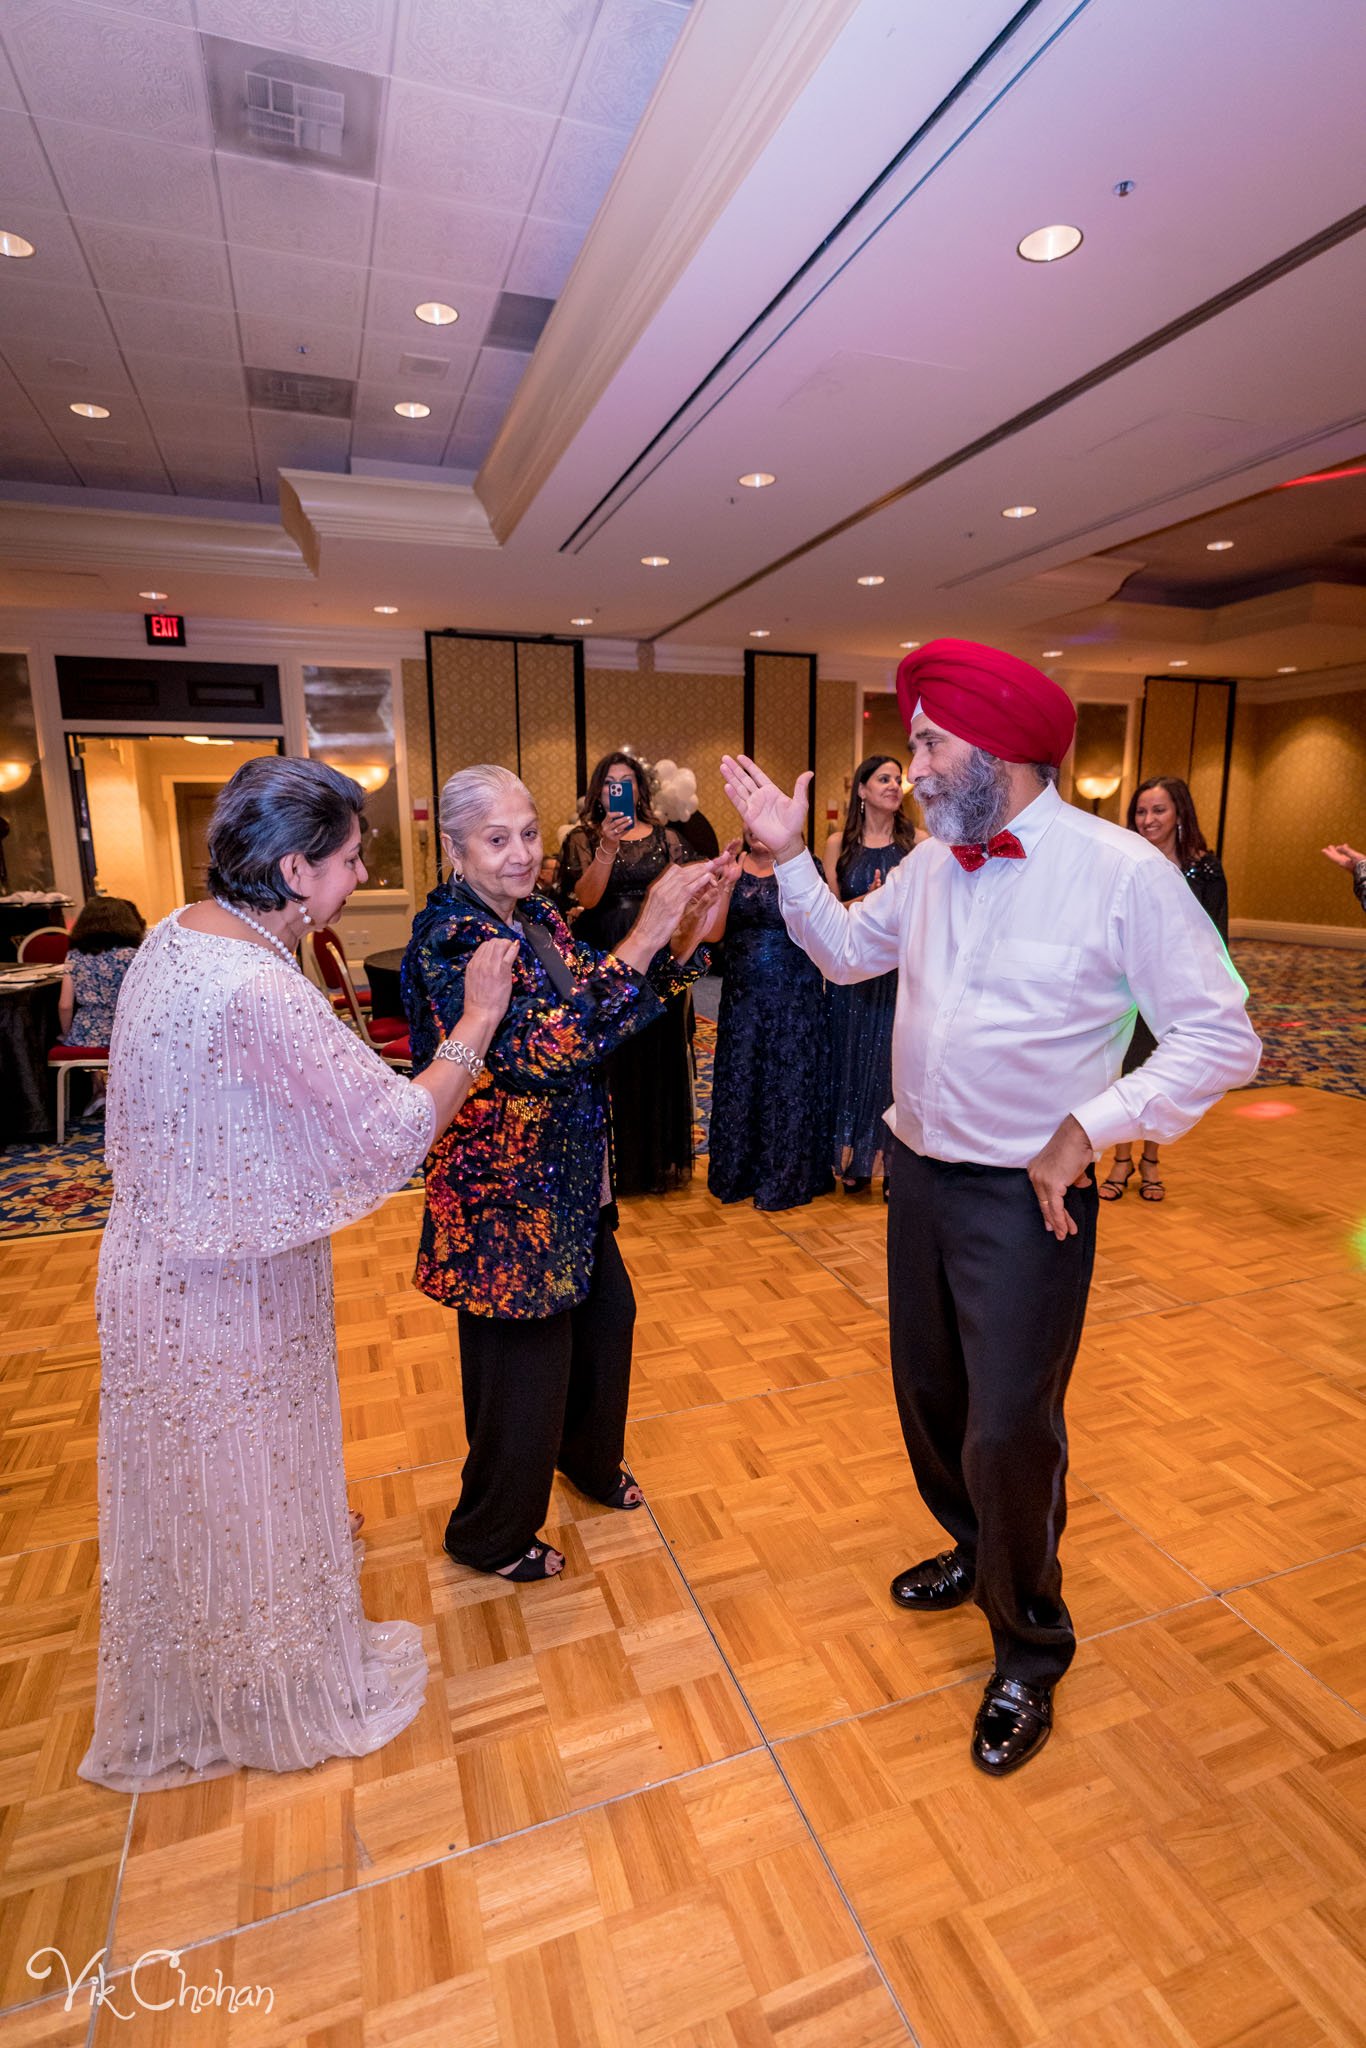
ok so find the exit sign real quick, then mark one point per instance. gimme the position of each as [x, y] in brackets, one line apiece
[164, 629]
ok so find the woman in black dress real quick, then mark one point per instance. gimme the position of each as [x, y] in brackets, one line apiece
[606, 868]
[770, 1109]
[1162, 811]
[877, 836]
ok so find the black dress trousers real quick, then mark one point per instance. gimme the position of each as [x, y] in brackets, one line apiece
[986, 1316]
[540, 1393]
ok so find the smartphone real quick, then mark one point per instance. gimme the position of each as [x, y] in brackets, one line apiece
[621, 800]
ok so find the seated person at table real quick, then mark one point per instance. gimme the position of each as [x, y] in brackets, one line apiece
[103, 941]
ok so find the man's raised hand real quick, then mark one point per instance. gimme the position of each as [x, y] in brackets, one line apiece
[775, 820]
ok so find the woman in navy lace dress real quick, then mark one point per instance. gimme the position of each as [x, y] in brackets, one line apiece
[877, 836]
[771, 1106]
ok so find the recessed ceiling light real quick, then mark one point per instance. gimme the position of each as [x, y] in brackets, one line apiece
[90, 412]
[1178, 664]
[387, 609]
[909, 643]
[758, 479]
[436, 313]
[1217, 547]
[1046, 245]
[760, 633]
[1051, 654]
[1018, 511]
[157, 596]
[870, 580]
[1287, 671]
[410, 409]
[654, 561]
[581, 622]
[16, 245]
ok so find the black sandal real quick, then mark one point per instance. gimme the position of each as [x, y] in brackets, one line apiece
[1150, 1186]
[617, 1497]
[534, 1563]
[1111, 1182]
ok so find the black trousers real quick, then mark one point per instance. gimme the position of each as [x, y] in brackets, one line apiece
[986, 1315]
[547, 1392]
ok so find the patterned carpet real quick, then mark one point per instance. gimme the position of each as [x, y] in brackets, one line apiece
[1308, 1004]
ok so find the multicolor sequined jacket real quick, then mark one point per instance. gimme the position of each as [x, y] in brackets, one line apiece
[514, 1184]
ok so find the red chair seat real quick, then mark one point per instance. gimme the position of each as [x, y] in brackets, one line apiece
[77, 1052]
[397, 1048]
[385, 1029]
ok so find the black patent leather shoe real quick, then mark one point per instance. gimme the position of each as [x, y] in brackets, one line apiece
[1013, 1723]
[934, 1584]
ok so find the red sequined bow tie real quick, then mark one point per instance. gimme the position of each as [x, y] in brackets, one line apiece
[1004, 845]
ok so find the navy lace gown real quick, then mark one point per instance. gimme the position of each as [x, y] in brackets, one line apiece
[770, 1111]
[861, 1040]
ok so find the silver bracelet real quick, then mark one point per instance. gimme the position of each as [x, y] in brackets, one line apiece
[460, 1056]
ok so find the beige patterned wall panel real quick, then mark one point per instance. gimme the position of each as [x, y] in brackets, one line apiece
[691, 719]
[1206, 774]
[1308, 790]
[1240, 811]
[782, 716]
[836, 711]
[1167, 712]
[546, 706]
[417, 739]
[476, 719]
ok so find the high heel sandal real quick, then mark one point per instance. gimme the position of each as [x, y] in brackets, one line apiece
[617, 1497]
[1150, 1186]
[1112, 1189]
[534, 1563]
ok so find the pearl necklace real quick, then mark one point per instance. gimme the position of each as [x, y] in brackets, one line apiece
[269, 937]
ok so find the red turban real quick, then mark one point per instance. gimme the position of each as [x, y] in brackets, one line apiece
[992, 700]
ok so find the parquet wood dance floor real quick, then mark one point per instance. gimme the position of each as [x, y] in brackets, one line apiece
[709, 1790]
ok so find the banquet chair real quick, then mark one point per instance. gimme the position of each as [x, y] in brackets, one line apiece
[324, 951]
[67, 1059]
[388, 1036]
[47, 947]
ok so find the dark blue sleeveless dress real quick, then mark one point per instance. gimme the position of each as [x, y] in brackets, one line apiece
[861, 1040]
[770, 1113]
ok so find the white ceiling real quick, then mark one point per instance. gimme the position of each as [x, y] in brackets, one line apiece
[913, 334]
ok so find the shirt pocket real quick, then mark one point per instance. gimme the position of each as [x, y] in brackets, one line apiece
[1028, 981]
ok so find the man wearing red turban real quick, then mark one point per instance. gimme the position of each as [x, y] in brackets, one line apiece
[1027, 935]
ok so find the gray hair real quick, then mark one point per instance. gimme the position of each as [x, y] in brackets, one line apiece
[272, 807]
[470, 794]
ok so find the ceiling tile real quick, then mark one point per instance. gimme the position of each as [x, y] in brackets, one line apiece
[111, 70]
[167, 328]
[129, 177]
[382, 354]
[389, 310]
[284, 441]
[208, 426]
[179, 11]
[10, 95]
[578, 171]
[98, 476]
[153, 265]
[46, 310]
[479, 420]
[375, 408]
[628, 50]
[332, 294]
[47, 365]
[28, 181]
[444, 238]
[461, 148]
[35, 468]
[186, 379]
[376, 443]
[524, 51]
[498, 373]
[58, 258]
[355, 32]
[466, 453]
[301, 345]
[277, 206]
[545, 256]
[240, 486]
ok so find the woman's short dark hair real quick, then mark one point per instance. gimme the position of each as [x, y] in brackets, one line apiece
[1190, 840]
[273, 807]
[593, 809]
[105, 924]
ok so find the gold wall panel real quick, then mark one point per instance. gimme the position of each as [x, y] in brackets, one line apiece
[545, 688]
[691, 719]
[837, 706]
[1206, 772]
[782, 717]
[472, 691]
[1168, 712]
[423, 841]
[1299, 784]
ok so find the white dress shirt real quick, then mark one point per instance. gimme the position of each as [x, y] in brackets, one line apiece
[1019, 984]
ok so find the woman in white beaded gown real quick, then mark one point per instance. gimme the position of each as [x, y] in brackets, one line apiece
[245, 1123]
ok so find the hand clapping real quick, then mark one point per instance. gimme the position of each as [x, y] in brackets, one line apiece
[775, 820]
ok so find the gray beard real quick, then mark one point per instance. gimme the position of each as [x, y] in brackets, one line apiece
[965, 809]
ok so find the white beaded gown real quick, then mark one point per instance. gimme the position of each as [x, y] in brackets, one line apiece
[245, 1123]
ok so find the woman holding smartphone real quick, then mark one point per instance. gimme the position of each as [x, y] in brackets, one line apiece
[607, 864]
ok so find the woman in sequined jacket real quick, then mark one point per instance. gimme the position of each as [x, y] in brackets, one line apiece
[518, 1227]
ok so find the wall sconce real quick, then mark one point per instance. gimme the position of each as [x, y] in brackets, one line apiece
[13, 775]
[371, 775]
[1096, 788]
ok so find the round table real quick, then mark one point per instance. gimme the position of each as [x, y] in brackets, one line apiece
[28, 1030]
[382, 972]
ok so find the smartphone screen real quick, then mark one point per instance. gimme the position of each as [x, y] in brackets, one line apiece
[621, 800]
